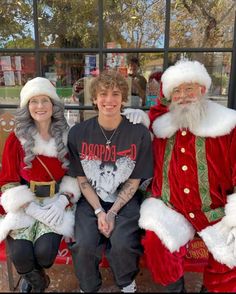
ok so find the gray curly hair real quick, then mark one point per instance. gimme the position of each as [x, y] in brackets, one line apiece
[26, 128]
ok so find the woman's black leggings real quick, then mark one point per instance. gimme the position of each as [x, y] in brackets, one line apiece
[27, 255]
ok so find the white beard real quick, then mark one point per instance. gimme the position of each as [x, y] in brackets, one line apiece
[188, 115]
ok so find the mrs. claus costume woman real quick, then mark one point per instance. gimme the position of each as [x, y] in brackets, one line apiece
[37, 196]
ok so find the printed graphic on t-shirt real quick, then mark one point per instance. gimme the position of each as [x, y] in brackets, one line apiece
[106, 153]
[105, 169]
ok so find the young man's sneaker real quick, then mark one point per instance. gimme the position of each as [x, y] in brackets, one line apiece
[131, 288]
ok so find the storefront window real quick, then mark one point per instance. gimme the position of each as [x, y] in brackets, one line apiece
[143, 72]
[218, 66]
[17, 27]
[69, 73]
[134, 23]
[68, 24]
[202, 24]
[15, 71]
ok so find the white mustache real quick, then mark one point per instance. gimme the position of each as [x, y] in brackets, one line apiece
[188, 115]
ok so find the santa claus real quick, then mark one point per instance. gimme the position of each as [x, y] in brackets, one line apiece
[193, 188]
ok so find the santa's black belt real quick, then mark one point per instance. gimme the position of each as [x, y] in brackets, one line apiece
[44, 189]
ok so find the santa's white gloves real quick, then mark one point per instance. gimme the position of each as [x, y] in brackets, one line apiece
[55, 210]
[137, 116]
[232, 239]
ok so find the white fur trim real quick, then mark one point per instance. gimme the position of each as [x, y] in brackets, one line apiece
[215, 238]
[66, 228]
[163, 126]
[184, 71]
[43, 147]
[219, 121]
[14, 221]
[35, 87]
[172, 228]
[70, 185]
[230, 211]
[14, 198]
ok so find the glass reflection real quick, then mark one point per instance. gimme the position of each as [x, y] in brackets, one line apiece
[68, 24]
[218, 66]
[204, 24]
[143, 72]
[15, 71]
[17, 27]
[71, 73]
[134, 23]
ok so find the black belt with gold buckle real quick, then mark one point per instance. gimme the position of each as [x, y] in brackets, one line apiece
[44, 189]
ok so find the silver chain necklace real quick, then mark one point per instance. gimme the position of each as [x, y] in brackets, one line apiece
[108, 141]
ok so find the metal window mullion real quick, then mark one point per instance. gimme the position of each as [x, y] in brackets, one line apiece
[232, 82]
[36, 33]
[167, 34]
[100, 33]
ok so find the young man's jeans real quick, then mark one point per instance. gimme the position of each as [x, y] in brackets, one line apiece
[122, 249]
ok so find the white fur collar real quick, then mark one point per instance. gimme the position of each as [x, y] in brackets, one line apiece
[219, 121]
[42, 147]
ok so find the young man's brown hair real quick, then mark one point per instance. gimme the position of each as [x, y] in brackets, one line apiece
[109, 79]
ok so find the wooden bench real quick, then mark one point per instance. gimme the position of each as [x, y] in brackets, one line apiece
[195, 260]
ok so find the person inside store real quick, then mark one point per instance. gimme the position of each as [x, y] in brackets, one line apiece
[78, 91]
[194, 184]
[36, 194]
[78, 95]
[109, 156]
[138, 82]
[153, 88]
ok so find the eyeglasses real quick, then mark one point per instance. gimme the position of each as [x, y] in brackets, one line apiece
[43, 101]
[184, 90]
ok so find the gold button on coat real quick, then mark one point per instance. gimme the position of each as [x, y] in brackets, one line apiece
[186, 190]
[182, 149]
[184, 167]
[192, 215]
[183, 133]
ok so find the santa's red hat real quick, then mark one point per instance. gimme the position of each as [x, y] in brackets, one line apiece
[184, 71]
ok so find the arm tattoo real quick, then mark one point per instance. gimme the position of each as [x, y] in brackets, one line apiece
[125, 194]
[85, 185]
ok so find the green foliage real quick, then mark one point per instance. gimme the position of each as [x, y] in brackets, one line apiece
[16, 18]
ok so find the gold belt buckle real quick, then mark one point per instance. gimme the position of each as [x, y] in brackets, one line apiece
[52, 185]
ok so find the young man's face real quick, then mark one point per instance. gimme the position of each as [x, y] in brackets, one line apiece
[187, 93]
[109, 101]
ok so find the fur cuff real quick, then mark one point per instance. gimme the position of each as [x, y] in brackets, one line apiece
[230, 211]
[70, 185]
[215, 238]
[172, 228]
[14, 221]
[14, 198]
[66, 228]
